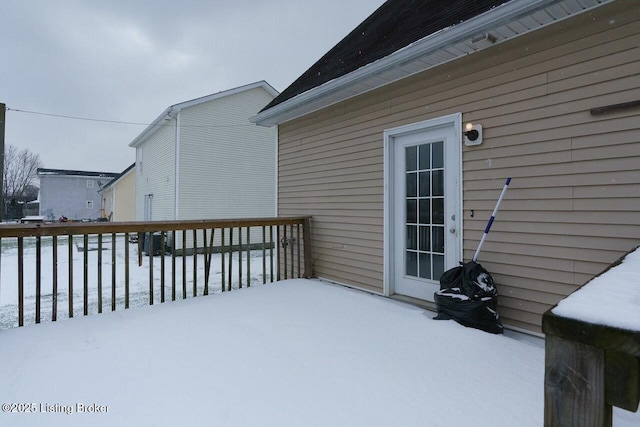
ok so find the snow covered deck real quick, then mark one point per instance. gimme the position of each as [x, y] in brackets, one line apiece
[292, 353]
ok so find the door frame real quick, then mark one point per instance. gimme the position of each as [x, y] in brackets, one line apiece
[389, 172]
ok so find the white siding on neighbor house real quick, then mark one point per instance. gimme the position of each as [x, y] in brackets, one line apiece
[573, 203]
[227, 165]
[157, 175]
[210, 163]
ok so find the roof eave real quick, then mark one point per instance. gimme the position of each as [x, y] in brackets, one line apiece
[173, 110]
[301, 104]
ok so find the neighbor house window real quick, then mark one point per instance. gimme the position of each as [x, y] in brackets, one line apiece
[89, 183]
[89, 204]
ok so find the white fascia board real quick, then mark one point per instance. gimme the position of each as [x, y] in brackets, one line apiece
[175, 109]
[151, 129]
[491, 19]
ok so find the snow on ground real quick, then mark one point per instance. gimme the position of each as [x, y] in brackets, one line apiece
[292, 353]
[138, 277]
[611, 299]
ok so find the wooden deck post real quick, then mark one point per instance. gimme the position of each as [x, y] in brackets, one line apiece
[306, 235]
[574, 385]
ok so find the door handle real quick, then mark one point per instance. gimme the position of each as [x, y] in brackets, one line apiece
[452, 230]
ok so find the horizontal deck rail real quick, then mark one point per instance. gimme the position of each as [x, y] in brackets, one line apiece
[108, 262]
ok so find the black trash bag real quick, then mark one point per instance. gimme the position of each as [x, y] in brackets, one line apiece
[468, 295]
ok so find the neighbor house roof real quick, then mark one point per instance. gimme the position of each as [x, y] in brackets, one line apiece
[172, 110]
[67, 172]
[405, 37]
[118, 177]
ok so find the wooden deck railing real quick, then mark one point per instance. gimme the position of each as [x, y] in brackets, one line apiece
[52, 262]
[589, 368]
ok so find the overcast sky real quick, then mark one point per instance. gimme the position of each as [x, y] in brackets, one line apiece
[128, 60]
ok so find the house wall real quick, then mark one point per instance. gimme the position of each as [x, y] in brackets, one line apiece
[573, 202]
[124, 196]
[155, 173]
[68, 195]
[227, 164]
[107, 200]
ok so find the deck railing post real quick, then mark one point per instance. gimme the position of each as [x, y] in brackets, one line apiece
[54, 284]
[574, 384]
[99, 273]
[70, 261]
[38, 277]
[306, 236]
[20, 281]
[113, 271]
[85, 267]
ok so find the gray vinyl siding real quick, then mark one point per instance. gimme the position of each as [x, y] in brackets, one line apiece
[572, 206]
[68, 195]
[157, 174]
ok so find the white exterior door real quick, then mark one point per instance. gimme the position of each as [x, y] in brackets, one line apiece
[423, 217]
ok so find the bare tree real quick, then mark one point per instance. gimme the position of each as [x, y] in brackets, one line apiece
[20, 170]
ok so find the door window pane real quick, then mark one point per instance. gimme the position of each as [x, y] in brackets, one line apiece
[412, 237]
[437, 211]
[438, 157]
[412, 264]
[425, 156]
[425, 184]
[412, 214]
[438, 266]
[438, 239]
[425, 211]
[425, 265]
[412, 185]
[425, 239]
[438, 183]
[411, 158]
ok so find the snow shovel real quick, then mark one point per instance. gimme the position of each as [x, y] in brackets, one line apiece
[467, 293]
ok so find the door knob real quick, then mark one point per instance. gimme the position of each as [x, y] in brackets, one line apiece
[452, 230]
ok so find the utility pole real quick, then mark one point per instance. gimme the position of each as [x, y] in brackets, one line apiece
[3, 108]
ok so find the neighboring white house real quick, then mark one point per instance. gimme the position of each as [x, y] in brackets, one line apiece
[203, 159]
[118, 196]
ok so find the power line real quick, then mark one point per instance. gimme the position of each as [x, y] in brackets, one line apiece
[62, 116]
[77, 118]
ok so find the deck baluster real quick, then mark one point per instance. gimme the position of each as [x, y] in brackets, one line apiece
[38, 277]
[20, 281]
[113, 271]
[99, 273]
[54, 279]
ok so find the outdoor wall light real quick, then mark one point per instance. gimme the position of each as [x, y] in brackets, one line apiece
[472, 134]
